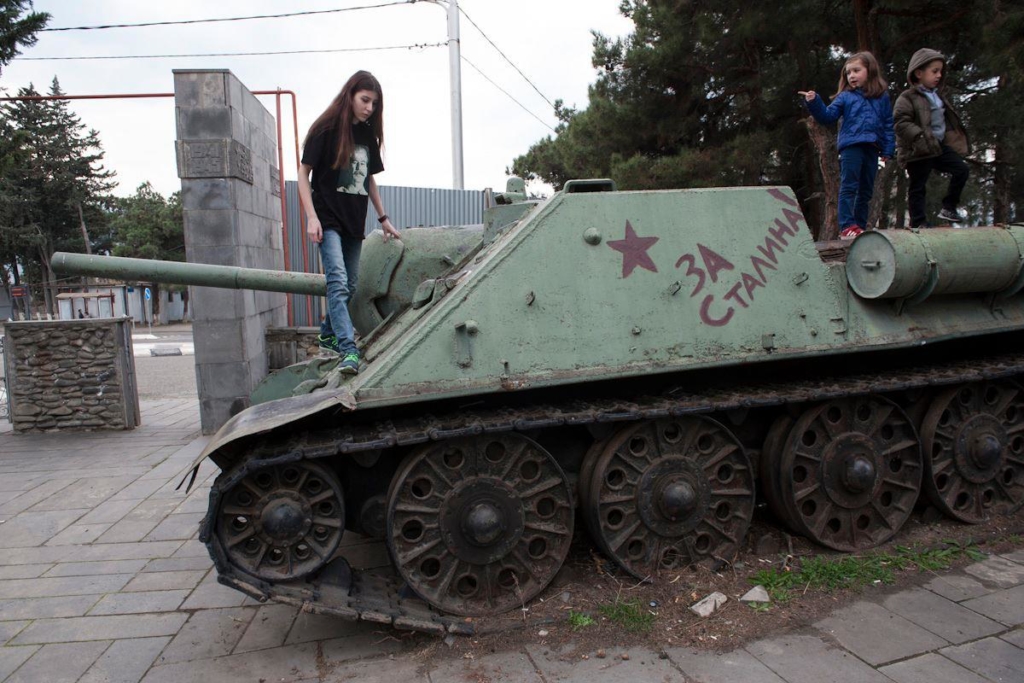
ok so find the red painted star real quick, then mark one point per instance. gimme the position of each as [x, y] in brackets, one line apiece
[634, 251]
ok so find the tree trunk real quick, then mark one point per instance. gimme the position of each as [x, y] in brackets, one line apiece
[85, 231]
[878, 213]
[901, 199]
[861, 17]
[1001, 198]
[825, 144]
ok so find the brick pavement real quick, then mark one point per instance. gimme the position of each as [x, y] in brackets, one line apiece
[101, 579]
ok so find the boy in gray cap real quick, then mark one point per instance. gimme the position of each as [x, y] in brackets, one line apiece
[930, 136]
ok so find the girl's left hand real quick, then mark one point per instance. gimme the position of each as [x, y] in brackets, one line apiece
[389, 231]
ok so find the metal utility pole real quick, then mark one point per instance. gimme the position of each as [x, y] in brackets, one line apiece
[455, 85]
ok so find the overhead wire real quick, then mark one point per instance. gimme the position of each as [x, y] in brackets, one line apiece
[488, 79]
[223, 19]
[518, 70]
[415, 46]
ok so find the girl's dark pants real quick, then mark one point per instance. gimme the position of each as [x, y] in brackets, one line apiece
[948, 162]
[858, 165]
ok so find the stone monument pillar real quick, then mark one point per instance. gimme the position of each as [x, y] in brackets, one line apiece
[230, 193]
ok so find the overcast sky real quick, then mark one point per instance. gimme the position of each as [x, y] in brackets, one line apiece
[548, 40]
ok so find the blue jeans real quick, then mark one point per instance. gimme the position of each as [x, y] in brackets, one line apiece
[858, 165]
[340, 256]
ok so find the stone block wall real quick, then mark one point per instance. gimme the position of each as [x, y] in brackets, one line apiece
[71, 375]
[227, 162]
[290, 345]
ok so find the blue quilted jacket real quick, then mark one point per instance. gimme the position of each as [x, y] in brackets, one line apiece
[864, 119]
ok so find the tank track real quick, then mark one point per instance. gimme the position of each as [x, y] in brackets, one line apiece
[354, 595]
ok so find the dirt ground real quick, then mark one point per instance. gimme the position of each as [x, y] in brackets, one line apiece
[588, 581]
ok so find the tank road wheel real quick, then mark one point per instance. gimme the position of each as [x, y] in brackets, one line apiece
[667, 493]
[282, 522]
[479, 525]
[973, 436]
[771, 469]
[851, 472]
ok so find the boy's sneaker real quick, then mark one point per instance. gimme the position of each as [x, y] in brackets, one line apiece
[951, 215]
[850, 232]
[350, 364]
[328, 344]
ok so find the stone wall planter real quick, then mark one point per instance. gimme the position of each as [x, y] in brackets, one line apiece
[75, 375]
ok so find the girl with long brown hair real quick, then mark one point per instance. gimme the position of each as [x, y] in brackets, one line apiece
[342, 151]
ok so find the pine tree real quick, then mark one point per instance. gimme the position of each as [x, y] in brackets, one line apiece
[54, 172]
[18, 31]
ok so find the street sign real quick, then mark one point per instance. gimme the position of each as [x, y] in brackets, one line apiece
[149, 295]
[19, 291]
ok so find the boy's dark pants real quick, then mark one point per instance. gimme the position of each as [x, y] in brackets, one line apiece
[948, 162]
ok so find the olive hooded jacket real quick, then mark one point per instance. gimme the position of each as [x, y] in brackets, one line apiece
[912, 116]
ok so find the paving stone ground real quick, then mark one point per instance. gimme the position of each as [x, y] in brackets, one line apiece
[102, 579]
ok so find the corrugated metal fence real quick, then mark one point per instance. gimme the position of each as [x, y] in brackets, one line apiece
[406, 206]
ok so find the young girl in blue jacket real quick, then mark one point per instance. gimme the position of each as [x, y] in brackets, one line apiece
[866, 133]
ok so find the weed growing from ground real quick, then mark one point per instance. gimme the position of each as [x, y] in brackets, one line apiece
[854, 571]
[631, 615]
[579, 620]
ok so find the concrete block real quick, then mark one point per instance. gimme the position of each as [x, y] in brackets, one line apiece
[805, 659]
[96, 568]
[200, 88]
[143, 602]
[738, 666]
[46, 608]
[296, 663]
[1006, 606]
[942, 617]
[81, 629]
[568, 665]
[929, 668]
[957, 587]
[214, 304]
[243, 193]
[241, 130]
[998, 570]
[206, 193]
[204, 123]
[59, 662]
[125, 661]
[13, 657]
[219, 341]
[77, 585]
[225, 380]
[218, 256]
[208, 633]
[164, 581]
[991, 658]
[1015, 638]
[877, 635]
[235, 91]
[268, 628]
[214, 412]
[212, 596]
[210, 228]
[9, 629]
[179, 526]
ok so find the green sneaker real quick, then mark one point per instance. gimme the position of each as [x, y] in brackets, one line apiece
[350, 364]
[328, 343]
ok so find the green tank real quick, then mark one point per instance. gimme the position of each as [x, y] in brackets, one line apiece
[650, 363]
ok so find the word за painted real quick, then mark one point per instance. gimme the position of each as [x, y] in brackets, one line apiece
[765, 258]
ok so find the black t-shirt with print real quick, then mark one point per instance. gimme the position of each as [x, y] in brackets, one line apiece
[340, 195]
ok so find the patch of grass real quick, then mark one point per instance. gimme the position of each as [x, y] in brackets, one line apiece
[579, 620]
[777, 583]
[760, 606]
[631, 615]
[854, 571]
[844, 572]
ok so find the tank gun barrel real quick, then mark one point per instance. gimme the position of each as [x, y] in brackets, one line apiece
[176, 273]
